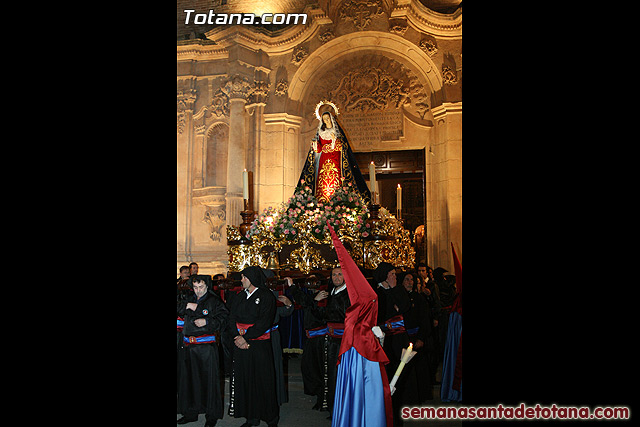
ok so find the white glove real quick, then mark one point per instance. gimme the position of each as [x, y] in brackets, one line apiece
[379, 334]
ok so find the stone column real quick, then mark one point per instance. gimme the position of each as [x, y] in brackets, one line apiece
[237, 89]
[255, 112]
[279, 171]
[444, 198]
[253, 159]
[186, 101]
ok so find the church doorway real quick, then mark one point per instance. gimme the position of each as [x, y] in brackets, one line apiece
[399, 167]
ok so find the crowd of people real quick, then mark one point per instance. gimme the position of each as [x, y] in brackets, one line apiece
[236, 334]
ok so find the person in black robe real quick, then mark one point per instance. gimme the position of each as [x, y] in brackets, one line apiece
[284, 308]
[253, 378]
[431, 292]
[199, 392]
[312, 365]
[334, 313]
[230, 293]
[183, 290]
[447, 292]
[393, 302]
[417, 322]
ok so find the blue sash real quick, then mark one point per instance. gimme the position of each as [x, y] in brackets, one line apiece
[318, 332]
[199, 340]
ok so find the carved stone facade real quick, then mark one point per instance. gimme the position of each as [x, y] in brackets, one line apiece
[360, 12]
[246, 99]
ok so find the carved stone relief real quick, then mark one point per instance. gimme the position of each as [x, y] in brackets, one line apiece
[181, 122]
[399, 29]
[449, 69]
[428, 46]
[236, 87]
[219, 104]
[372, 92]
[259, 92]
[216, 217]
[367, 89]
[326, 36]
[360, 12]
[372, 82]
[281, 87]
[299, 55]
[186, 100]
[449, 76]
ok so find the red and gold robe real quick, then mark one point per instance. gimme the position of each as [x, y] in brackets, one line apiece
[328, 167]
[329, 170]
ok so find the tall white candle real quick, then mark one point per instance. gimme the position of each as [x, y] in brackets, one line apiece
[407, 355]
[399, 199]
[245, 185]
[372, 177]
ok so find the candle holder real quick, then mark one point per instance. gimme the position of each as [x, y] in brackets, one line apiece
[247, 216]
[407, 355]
[374, 222]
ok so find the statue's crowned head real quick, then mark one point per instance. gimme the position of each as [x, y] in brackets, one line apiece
[326, 107]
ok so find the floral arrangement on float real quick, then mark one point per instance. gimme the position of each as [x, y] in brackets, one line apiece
[305, 217]
[302, 220]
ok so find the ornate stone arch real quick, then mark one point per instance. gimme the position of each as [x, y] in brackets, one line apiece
[389, 44]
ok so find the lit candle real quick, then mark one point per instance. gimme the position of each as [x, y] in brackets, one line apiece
[407, 355]
[372, 178]
[399, 200]
[245, 185]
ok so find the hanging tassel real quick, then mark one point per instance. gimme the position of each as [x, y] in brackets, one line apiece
[326, 378]
[232, 393]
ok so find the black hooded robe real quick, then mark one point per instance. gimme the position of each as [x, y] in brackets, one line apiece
[199, 380]
[312, 365]
[334, 312]
[391, 303]
[277, 351]
[418, 325]
[253, 378]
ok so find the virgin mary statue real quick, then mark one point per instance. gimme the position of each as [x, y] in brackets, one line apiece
[330, 162]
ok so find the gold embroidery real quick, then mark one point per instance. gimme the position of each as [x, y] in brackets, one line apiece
[326, 148]
[328, 180]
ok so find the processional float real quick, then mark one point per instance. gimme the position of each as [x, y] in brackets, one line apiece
[293, 239]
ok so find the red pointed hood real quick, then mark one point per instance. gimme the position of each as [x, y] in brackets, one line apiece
[362, 315]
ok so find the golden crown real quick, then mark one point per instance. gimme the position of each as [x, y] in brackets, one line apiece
[320, 104]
